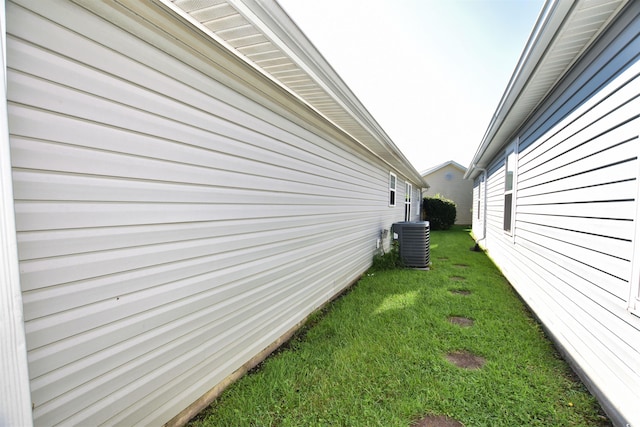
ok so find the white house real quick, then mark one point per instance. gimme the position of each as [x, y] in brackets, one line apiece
[556, 179]
[447, 180]
[182, 184]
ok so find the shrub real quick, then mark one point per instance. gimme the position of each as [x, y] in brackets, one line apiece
[388, 261]
[440, 212]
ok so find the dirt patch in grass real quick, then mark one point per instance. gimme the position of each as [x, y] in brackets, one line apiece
[460, 291]
[462, 321]
[437, 421]
[466, 360]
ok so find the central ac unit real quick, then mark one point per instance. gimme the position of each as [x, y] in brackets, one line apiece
[413, 239]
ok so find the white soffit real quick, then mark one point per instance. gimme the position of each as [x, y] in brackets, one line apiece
[581, 26]
[236, 25]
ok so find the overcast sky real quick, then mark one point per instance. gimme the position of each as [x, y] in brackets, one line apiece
[431, 72]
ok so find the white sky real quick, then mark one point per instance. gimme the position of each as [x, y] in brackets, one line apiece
[431, 72]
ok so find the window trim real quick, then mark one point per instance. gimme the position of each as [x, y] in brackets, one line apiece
[512, 150]
[392, 189]
[408, 196]
[480, 181]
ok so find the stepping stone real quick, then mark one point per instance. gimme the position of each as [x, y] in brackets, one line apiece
[462, 321]
[458, 278]
[460, 291]
[461, 265]
[466, 360]
[437, 421]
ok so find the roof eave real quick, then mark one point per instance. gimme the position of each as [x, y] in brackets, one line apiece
[537, 72]
[322, 90]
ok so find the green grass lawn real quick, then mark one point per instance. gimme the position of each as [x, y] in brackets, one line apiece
[376, 357]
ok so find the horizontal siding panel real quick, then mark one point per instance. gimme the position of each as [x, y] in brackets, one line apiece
[597, 114]
[48, 243]
[188, 258]
[88, 366]
[618, 146]
[622, 209]
[614, 337]
[209, 134]
[193, 166]
[59, 270]
[604, 269]
[37, 185]
[603, 341]
[43, 215]
[616, 173]
[592, 240]
[226, 340]
[612, 228]
[623, 186]
[56, 326]
[196, 102]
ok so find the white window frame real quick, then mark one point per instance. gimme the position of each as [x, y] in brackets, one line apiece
[408, 195]
[392, 198]
[512, 165]
[418, 202]
[479, 201]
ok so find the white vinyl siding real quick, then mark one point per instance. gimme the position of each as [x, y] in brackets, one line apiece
[14, 393]
[165, 222]
[576, 214]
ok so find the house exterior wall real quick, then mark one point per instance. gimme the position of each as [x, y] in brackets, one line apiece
[15, 409]
[448, 181]
[173, 219]
[572, 251]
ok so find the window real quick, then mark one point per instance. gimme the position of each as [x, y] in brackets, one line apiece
[407, 201]
[392, 189]
[479, 196]
[508, 189]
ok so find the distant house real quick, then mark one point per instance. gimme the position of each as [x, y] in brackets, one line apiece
[556, 179]
[447, 179]
[182, 184]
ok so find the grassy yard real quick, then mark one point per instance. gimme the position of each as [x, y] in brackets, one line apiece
[377, 357]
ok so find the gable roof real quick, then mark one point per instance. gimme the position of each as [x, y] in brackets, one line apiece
[261, 34]
[563, 32]
[443, 165]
